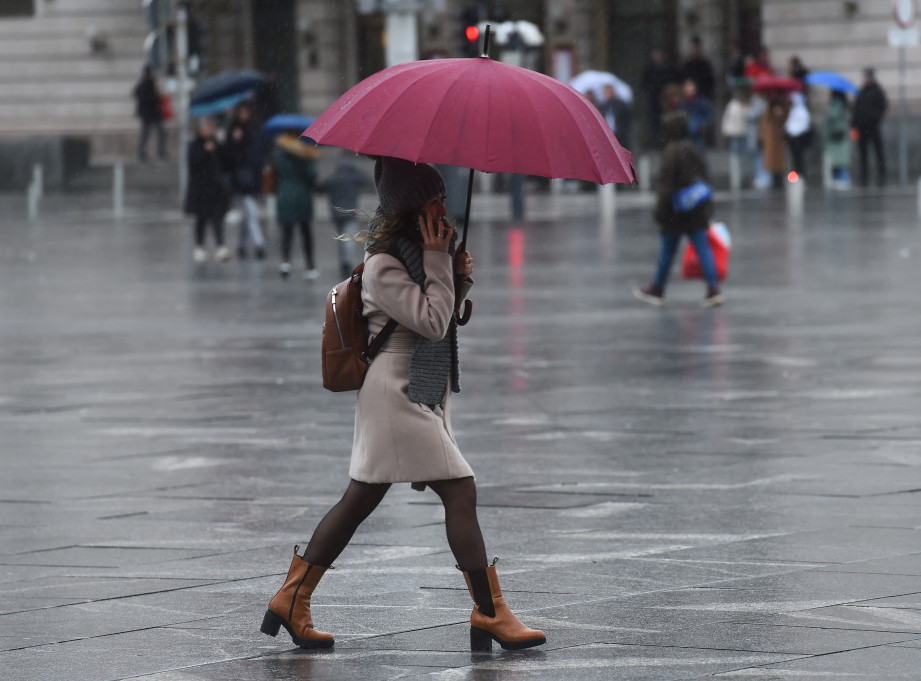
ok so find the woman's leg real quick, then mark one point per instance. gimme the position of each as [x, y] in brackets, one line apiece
[287, 235]
[461, 524]
[307, 243]
[251, 212]
[339, 524]
[200, 222]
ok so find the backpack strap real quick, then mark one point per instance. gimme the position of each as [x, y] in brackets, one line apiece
[378, 342]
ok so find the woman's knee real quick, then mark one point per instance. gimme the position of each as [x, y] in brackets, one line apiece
[363, 497]
[459, 493]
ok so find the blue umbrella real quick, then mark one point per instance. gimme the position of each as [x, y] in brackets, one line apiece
[226, 84]
[216, 106]
[831, 80]
[281, 122]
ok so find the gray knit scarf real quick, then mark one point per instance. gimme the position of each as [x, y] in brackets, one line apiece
[433, 361]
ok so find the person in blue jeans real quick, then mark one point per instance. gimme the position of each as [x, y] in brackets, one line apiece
[682, 166]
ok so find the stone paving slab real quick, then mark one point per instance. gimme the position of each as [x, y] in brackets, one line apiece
[675, 494]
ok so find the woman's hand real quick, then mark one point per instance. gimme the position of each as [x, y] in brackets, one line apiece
[436, 235]
[463, 264]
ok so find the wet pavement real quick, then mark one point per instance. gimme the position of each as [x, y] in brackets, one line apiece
[675, 494]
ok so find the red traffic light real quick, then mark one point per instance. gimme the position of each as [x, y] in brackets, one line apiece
[472, 33]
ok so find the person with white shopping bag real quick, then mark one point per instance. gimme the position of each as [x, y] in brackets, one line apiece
[683, 208]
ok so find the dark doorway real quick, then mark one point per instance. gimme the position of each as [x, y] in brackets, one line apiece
[371, 55]
[750, 26]
[635, 29]
[275, 38]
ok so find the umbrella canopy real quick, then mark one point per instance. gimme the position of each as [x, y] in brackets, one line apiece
[281, 122]
[782, 83]
[831, 80]
[595, 81]
[480, 114]
[215, 106]
[226, 84]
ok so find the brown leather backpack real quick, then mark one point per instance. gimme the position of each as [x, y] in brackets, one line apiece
[345, 349]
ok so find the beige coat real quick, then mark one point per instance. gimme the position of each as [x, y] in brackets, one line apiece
[397, 440]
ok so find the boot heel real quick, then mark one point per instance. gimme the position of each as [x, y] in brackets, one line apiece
[271, 623]
[480, 641]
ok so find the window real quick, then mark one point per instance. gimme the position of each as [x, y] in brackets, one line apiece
[17, 8]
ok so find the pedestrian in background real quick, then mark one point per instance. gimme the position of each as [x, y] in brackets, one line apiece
[296, 169]
[343, 188]
[207, 195]
[149, 109]
[699, 69]
[772, 136]
[869, 110]
[657, 74]
[734, 124]
[682, 166]
[402, 418]
[798, 129]
[617, 114]
[837, 140]
[244, 151]
[699, 111]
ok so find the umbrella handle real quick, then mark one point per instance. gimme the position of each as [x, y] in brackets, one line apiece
[462, 319]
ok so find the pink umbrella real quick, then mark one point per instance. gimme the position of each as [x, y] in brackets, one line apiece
[479, 114]
[776, 83]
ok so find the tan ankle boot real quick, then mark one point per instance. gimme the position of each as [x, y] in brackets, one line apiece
[291, 606]
[503, 628]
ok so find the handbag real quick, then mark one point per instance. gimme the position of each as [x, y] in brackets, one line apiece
[692, 196]
[269, 180]
[720, 245]
[345, 349]
[166, 108]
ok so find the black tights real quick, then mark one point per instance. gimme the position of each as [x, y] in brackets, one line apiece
[287, 240]
[217, 228]
[335, 531]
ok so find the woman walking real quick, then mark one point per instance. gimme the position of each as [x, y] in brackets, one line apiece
[402, 418]
[295, 164]
[245, 155]
[682, 168]
[207, 196]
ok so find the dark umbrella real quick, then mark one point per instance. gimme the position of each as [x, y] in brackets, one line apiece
[226, 84]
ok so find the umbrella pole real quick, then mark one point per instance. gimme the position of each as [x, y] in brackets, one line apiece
[462, 319]
[467, 209]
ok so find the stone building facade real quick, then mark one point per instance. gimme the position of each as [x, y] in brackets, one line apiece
[68, 66]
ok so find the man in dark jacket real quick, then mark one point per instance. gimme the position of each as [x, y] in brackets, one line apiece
[699, 69]
[869, 110]
[657, 74]
[147, 97]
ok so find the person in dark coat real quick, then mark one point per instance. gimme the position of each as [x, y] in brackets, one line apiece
[244, 152]
[148, 109]
[682, 165]
[207, 196]
[344, 187]
[296, 168]
[699, 69]
[869, 110]
[617, 114]
[656, 76]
